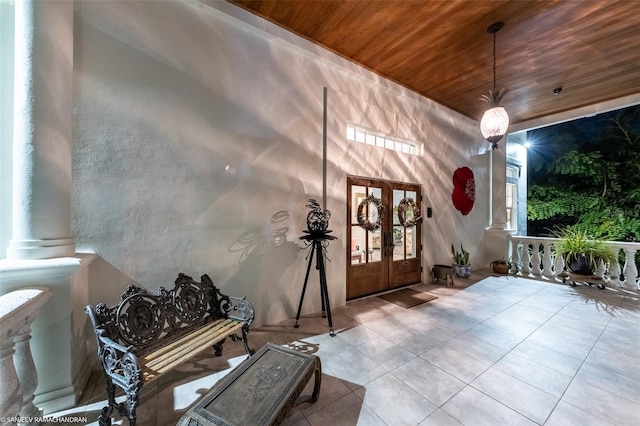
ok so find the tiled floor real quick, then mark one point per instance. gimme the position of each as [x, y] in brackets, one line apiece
[489, 351]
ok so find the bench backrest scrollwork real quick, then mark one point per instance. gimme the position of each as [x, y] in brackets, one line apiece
[145, 321]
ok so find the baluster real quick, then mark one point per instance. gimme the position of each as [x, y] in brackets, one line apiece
[526, 266]
[18, 375]
[614, 273]
[518, 256]
[27, 375]
[535, 262]
[558, 265]
[630, 271]
[512, 248]
[546, 259]
[599, 269]
[10, 396]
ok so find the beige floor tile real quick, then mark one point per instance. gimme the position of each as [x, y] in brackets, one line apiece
[396, 403]
[521, 397]
[430, 381]
[567, 414]
[474, 408]
[544, 378]
[456, 363]
[602, 404]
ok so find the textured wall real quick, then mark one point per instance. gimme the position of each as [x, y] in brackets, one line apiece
[198, 139]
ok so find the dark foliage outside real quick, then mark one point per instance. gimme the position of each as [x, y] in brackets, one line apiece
[585, 174]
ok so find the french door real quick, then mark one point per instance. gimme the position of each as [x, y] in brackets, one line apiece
[383, 253]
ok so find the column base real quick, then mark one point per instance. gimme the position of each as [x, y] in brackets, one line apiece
[496, 244]
[68, 397]
[41, 249]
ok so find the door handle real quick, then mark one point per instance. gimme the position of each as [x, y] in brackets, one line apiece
[385, 243]
[391, 244]
[388, 244]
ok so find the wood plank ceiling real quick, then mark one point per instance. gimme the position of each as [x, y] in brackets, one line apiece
[441, 49]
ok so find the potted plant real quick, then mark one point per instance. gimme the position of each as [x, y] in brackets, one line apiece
[503, 267]
[581, 252]
[461, 264]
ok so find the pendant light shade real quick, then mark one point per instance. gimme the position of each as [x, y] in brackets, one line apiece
[495, 121]
[494, 124]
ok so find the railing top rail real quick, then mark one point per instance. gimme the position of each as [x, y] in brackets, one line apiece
[528, 238]
[619, 244]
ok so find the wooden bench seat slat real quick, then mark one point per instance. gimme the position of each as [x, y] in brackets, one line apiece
[192, 346]
[179, 342]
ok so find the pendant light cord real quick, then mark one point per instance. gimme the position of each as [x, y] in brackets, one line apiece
[494, 61]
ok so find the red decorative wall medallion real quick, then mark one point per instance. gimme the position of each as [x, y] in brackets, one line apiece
[464, 190]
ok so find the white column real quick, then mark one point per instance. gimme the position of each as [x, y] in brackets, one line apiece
[499, 188]
[43, 87]
[497, 235]
[19, 378]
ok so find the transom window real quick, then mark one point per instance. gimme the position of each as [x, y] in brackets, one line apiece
[381, 140]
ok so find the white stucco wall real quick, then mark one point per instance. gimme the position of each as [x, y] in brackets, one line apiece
[198, 140]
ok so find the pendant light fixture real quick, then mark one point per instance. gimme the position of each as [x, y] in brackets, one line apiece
[495, 121]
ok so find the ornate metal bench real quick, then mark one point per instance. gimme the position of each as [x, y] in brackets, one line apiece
[146, 335]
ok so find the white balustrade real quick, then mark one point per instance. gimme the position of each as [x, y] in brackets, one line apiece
[18, 310]
[536, 257]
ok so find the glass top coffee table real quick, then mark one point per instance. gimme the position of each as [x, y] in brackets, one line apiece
[259, 391]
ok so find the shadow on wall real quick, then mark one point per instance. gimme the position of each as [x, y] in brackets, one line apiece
[265, 256]
[258, 239]
[106, 282]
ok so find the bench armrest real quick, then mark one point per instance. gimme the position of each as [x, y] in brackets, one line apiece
[240, 309]
[119, 363]
[106, 341]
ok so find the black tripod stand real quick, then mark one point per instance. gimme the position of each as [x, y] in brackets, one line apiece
[317, 242]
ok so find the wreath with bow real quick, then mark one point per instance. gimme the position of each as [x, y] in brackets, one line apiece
[363, 217]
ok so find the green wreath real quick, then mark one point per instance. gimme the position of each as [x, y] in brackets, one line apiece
[363, 219]
[402, 212]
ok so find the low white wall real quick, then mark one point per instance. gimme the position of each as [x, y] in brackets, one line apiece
[198, 140]
[62, 344]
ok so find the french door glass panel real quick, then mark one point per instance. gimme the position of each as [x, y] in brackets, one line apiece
[403, 238]
[366, 246]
